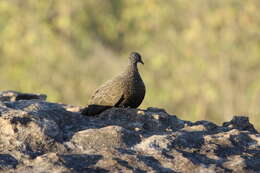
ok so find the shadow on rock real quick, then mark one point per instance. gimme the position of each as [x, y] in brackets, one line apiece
[153, 163]
[128, 166]
[7, 162]
[252, 163]
[238, 145]
[93, 110]
[198, 159]
[189, 140]
[82, 163]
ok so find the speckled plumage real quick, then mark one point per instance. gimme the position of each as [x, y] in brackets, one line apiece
[125, 90]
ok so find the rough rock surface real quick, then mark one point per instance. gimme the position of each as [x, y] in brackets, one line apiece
[39, 136]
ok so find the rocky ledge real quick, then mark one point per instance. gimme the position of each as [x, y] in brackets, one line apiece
[39, 136]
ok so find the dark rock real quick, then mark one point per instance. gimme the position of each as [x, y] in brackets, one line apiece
[38, 136]
[14, 96]
[151, 109]
[241, 123]
[81, 163]
[7, 162]
[92, 110]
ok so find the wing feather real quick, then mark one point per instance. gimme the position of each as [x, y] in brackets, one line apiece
[109, 94]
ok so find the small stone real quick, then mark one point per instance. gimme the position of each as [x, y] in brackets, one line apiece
[168, 130]
[156, 116]
[140, 112]
[137, 129]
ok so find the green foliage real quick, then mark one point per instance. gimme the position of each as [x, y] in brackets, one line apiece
[201, 58]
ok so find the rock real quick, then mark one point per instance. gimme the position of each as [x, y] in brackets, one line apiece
[110, 137]
[7, 162]
[14, 96]
[39, 136]
[241, 123]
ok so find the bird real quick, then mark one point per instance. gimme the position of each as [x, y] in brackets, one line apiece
[125, 90]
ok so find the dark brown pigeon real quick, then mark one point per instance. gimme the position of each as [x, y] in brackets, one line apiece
[125, 90]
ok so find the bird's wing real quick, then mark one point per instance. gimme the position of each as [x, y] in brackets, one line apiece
[109, 94]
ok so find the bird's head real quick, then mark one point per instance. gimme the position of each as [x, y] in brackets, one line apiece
[136, 58]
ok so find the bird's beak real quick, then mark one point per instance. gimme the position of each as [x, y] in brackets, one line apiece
[141, 62]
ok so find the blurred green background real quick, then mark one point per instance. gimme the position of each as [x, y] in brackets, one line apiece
[202, 58]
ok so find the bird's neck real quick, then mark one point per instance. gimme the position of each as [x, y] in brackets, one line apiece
[132, 69]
